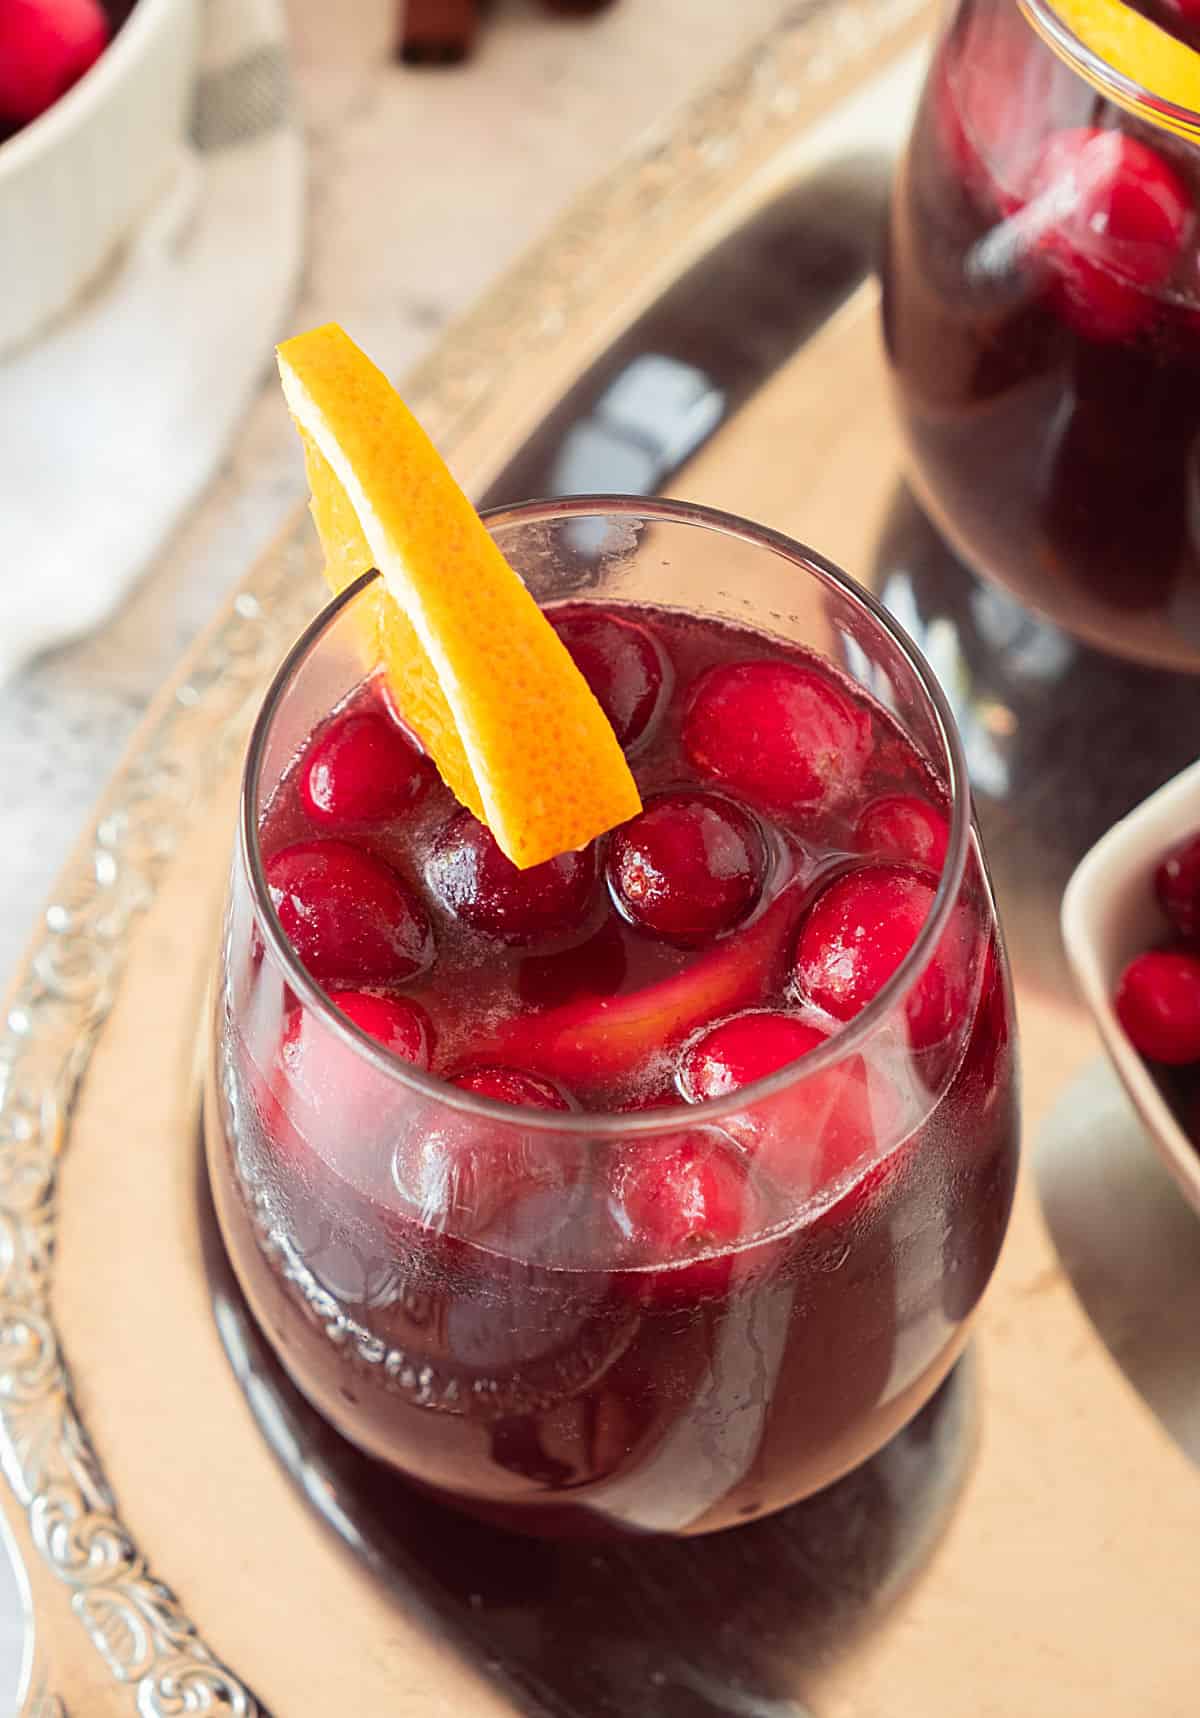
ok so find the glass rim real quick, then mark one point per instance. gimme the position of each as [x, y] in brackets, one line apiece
[617, 1124]
[1118, 86]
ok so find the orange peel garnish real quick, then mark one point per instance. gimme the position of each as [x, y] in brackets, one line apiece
[473, 665]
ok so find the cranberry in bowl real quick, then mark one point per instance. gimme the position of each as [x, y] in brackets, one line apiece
[651, 1188]
[95, 98]
[1130, 929]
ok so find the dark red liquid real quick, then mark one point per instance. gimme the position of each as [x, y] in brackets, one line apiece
[1043, 323]
[562, 1344]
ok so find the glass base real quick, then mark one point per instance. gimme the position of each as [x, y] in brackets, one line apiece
[589, 1628]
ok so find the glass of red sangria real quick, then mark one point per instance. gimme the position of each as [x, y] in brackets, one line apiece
[652, 1188]
[1042, 318]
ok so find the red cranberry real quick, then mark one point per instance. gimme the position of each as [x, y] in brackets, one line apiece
[464, 1174]
[1177, 881]
[511, 1086]
[1186, 11]
[399, 1024]
[689, 867]
[680, 1197]
[1100, 305]
[813, 1131]
[479, 885]
[45, 47]
[1158, 1004]
[323, 1069]
[348, 915]
[363, 769]
[857, 934]
[901, 826]
[331, 1097]
[1116, 216]
[742, 1050]
[777, 732]
[624, 666]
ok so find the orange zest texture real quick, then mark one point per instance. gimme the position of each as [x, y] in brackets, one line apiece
[473, 665]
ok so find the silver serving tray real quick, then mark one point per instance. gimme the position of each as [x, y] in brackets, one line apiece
[194, 1541]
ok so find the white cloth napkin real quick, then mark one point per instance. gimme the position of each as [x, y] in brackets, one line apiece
[112, 424]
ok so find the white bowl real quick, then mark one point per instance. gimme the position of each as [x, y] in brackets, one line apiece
[1109, 914]
[75, 181]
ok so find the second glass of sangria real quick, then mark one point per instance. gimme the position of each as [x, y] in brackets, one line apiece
[1042, 316]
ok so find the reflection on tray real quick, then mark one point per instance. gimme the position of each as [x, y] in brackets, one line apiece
[685, 367]
[741, 1622]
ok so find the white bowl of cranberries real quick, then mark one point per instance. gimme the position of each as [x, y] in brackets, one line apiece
[1131, 923]
[94, 99]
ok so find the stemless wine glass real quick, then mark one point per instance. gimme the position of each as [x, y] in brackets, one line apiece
[1042, 321]
[447, 1279]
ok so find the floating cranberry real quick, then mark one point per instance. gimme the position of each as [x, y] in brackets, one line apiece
[45, 47]
[464, 1174]
[479, 885]
[689, 867]
[325, 1070]
[857, 934]
[623, 664]
[742, 1050]
[348, 915]
[901, 826]
[783, 734]
[1111, 215]
[399, 1024]
[1187, 12]
[1158, 1004]
[511, 1086]
[685, 1197]
[333, 1098]
[363, 769]
[815, 1129]
[1177, 883]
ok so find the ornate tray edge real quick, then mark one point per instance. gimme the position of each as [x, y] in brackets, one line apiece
[63, 1511]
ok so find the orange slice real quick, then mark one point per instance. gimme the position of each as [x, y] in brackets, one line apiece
[1131, 45]
[475, 667]
[604, 1038]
